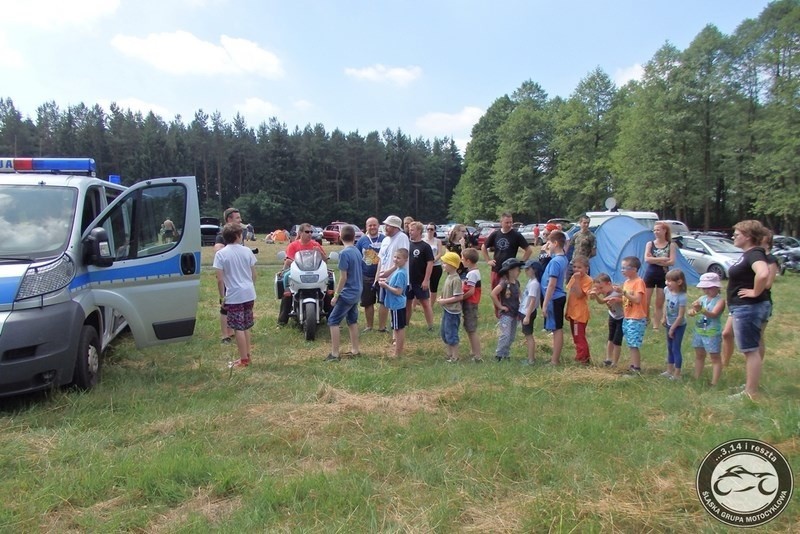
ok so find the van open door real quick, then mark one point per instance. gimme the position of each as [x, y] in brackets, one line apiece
[143, 259]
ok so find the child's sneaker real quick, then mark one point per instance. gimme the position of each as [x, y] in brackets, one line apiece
[239, 363]
[607, 363]
[226, 340]
[666, 374]
[477, 359]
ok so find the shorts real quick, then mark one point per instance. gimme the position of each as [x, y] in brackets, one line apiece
[633, 330]
[711, 344]
[615, 331]
[527, 329]
[369, 292]
[655, 277]
[240, 316]
[343, 310]
[555, 314]
[449, 330]
[748, 319]
[470, 311]
[436, 275]
[398, 319]
[416, 292]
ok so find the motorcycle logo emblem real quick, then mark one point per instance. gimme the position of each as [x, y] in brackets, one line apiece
[744, 482]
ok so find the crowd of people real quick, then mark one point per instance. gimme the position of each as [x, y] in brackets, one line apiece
[404, 267]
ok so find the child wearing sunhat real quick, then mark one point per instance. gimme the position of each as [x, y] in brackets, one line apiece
[505, 296]
[708, 326]
[450, 299]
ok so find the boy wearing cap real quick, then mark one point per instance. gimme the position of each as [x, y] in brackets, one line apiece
[505, 296]
[450, 299]
[472, 298]
[527, 308]
[708, 326]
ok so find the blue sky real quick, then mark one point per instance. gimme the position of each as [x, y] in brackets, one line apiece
[430, 68]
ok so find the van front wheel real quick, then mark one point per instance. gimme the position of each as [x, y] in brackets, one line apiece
[87, 360]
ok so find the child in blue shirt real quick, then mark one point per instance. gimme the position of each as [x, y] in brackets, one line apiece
[395, 298]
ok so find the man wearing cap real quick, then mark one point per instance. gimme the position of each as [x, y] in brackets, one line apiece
[395, 239]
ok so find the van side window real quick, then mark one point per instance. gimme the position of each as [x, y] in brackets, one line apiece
[92, 207]
[148, 223]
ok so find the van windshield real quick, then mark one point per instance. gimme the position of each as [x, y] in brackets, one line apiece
[35, 221]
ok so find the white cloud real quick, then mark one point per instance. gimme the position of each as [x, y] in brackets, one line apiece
[256, 110]
[381, 73]
[302, 105]
[9, 57]
[624, 75]
[183, 53]
[134, 104]
[450, 124]
[47, 14]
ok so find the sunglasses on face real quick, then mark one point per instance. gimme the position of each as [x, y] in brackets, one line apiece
[308, 232]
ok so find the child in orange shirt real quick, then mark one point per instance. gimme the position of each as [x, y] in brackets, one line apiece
[577, 311]
[634, 305]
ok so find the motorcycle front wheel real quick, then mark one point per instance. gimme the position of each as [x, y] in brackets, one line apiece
[310, 321]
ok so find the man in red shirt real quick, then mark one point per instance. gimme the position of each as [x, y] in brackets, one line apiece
[303, 243]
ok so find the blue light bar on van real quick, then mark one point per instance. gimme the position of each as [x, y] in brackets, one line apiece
[51, 165]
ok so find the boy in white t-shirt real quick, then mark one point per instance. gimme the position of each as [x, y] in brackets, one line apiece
[529, 302]
[236, 275]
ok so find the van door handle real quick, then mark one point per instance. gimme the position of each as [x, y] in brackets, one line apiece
[188, 263]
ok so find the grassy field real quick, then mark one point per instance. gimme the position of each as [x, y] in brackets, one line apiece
[173, 441]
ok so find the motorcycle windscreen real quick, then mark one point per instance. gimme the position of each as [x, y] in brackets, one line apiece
[308, 260]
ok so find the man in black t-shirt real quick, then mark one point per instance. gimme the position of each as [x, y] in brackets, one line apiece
[420, 266]
[506, 242]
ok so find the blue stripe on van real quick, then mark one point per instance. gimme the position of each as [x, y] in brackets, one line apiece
[167, 267]
[9, 287]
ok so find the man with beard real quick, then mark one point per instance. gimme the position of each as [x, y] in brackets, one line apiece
[395, 239]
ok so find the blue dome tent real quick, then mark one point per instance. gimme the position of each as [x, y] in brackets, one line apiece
[621, 236]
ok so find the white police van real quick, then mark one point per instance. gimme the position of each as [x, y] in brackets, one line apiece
[80, 259]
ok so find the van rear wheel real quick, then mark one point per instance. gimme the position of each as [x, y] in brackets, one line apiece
[87, 360]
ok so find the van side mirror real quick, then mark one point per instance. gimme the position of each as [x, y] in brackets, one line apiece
[96, 248]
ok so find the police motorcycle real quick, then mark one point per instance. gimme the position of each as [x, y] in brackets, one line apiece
[310, 285]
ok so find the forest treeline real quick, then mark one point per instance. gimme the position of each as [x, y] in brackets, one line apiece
[709, 135]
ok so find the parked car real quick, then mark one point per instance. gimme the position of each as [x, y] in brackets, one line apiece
[785, 241]
[533, 238]
[708, 254]
[676, 227]
[209, 228]
[331, 232]
[485, 232]
[316, 233]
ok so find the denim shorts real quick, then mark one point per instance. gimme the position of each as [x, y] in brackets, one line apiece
[711, 344]
[449, 330]
[342, 310]
[748, 319]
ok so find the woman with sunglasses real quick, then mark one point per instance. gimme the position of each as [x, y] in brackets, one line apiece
[438, 249]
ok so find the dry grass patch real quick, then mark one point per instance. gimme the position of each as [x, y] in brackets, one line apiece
[204, 503]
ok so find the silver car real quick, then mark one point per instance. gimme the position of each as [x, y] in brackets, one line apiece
[709, 254]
